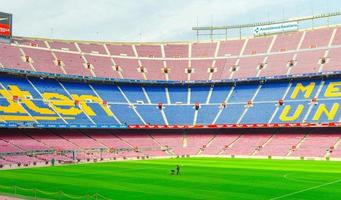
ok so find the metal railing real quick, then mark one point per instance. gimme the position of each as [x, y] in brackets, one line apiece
[37, 194]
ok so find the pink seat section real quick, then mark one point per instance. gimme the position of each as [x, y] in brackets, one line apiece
[177, 69]
[317, 38]
[11, 57]
[73, 64]
[200, 69]
[230, 48]
[43, 60]
[282, 142]
[317, 143]
[80, 139]
[60, 45]
[22, 141]
[277, 64]
[120, 49]
[102, 66]
[257, 45]
[30, 42]
[248, 143]
[249, 67]
[176, 50]
[337, 37]
[202, 50]
[220, 142]
[92, 48]
[308, 62]
[223, 68]
[6, 147]
[149, 51]
[287, 42]
[107, 139]
[52, 140]
[154, 69]
[129, 68]
[333, 61]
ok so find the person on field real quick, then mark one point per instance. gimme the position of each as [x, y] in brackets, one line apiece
[53, 161]
[177, 169]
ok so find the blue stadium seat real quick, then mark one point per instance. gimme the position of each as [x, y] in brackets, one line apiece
[125, 114]
[109, 93]
[134, 93]
[259, 113]
[157, 94]
[207, 113]
[78, 88]
[151, 114]
[178, 94]
[271, 92]
[199, 94]
[180, 114]
[220, 93]
[243, 93]
[231, 114]
[24, 85]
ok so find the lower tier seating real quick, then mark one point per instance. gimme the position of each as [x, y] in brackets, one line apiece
[88, 145]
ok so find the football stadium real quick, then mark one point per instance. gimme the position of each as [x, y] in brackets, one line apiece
[242, 111]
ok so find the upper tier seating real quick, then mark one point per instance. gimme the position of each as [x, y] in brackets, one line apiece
[307, 51]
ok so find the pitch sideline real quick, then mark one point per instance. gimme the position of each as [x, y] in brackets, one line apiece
[307, 189]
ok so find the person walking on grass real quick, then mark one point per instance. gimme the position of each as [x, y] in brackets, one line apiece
[177, 169]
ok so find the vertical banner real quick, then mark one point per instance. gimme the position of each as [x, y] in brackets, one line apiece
[5, 25]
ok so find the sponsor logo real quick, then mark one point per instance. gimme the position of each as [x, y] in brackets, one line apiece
[5, 30]
[275, 28]
[4, 19]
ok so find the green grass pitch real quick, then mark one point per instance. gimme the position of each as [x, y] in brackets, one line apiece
[201, 178]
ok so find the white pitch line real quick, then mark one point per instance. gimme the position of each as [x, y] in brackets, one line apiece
[297, 180]
[307, 189]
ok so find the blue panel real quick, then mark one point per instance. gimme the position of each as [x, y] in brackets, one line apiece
[157, 94]
[324, 118]
[219, 93]
[259, 113]
[326, 84]
[41, 104]
[109, 93]
[125, 114]
[206, 114]
[79, 119]
[48, 85]
[178, 94]
[22, 83]
[151, 114]
[78, 88]
[4, 103]
[243, 93]
[134, 93]
[180, 115]
[271, 92]
[294, 105]
[231, 114]
[101, 116]
[199, 94]
[300, 95]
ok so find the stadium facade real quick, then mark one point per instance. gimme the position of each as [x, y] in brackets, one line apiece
[75, 101]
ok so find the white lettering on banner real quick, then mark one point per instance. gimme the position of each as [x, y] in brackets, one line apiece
[275, 28]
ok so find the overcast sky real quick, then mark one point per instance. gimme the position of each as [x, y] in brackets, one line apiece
[147, 20]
